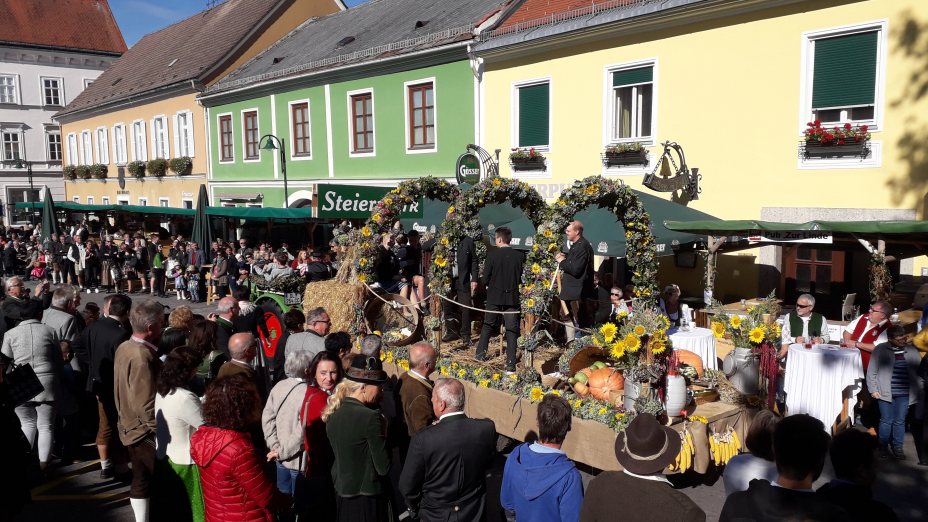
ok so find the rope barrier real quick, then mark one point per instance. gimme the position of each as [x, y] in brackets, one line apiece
[479, 309]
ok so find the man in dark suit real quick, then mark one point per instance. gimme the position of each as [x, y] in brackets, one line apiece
[96, 349]
[501, 276]
[444, 475]
[577, 279]
[464, 284]
[226, 313]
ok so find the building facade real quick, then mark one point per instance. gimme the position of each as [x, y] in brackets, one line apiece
[737, 85]
[145, 109]
[41, 72]
[380, 93]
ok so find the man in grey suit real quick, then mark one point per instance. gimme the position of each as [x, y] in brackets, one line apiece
[312, 339]
[62, 317]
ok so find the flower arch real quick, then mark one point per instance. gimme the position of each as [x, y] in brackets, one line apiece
[463, 221]
[387, 212]
[641, 254]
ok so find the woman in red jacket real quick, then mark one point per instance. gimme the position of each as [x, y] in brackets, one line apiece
[234, 485]
[324, 373]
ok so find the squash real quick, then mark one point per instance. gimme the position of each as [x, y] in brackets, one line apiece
[690, 358]
[605, 380]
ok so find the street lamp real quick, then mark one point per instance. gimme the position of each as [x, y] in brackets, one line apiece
[18, 163]
[275, 143]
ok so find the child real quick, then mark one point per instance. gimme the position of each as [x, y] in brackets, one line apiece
[38, 266]
[193, 283]
[177, 272]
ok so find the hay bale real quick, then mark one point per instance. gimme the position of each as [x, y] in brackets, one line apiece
[339, 300]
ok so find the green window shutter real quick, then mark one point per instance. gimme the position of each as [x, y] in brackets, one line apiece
[533, 115]
[845, 71]
[632, 76]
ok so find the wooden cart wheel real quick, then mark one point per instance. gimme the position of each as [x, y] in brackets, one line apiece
[396, 315]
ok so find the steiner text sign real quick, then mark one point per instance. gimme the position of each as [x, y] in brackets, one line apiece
[354, 201]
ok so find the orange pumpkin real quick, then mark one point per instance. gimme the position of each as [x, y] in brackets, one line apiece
[605, 380]
[690, 358]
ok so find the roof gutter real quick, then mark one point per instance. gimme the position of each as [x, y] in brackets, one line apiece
[145, 96]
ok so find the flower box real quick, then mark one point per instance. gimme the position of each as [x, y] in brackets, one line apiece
[536, 163]
[620, 159]
[853, 149]
[845, 141]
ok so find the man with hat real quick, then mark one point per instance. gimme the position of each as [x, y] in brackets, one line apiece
[317, 269]
[444, 477]
[640, 491]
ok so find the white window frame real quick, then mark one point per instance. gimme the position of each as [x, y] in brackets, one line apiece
[514, 126]
[309, 125]
[76, 199]
[159, 139]
[164, 202]
[90, 200]
[61, 100]
[120, 151]
[106, 200]
[184, 201]
[143, 201]
[49, 132]
[103, 140]
[139, 141]
[609, 102]
[373, 151]
[17, 97]
[184, 147]
[245, 137]
[406, 85]
[122, 200]
[71, 148]
[219, 137]
[87, 82]
[808, 68]
[18, 132]
[86, 147]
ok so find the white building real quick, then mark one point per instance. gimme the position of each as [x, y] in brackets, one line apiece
[49, 52]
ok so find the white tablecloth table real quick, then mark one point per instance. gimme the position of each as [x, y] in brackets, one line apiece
[818, 380]
[699, 341]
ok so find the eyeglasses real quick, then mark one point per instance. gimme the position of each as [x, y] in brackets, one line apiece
[617, 295]
[803, 306]
[875, 311]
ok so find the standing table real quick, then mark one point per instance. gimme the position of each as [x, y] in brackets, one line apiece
[700, 341]
[822, 381]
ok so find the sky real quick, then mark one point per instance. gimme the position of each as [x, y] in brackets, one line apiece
[136, 18]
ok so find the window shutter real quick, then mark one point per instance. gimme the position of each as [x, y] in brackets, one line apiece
[533, 115]
[632, 76]
[177, 151]
[189, 127]
[845, 71]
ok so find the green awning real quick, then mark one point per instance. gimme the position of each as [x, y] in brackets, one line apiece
[433, 213]
[747, 227]
[292, 214]
[145, 209]
[67, 205]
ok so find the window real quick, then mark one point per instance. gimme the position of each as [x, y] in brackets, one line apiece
[87, 82]
[159, 138]
[53, 143]
[122, 201]
[533, 119]
[188, 203]
[139, 150]
[86, 148]
[8, 90]
[164, 202]
[421, 115]
[103, 153]
[51, 91]
[119, 144]
[299, 134]
[250, 135]
[362, 122]
[106, 200]
[76, 199]
[16, 195]
[633, 103]
[12, 145]
[143, 202]
[183, 134]
[90, 200]
[72, 149]
[844, 76]
[226, 147]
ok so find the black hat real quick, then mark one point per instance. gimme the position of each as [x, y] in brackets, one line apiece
[367, 370]
[317, 252]
[646, 447]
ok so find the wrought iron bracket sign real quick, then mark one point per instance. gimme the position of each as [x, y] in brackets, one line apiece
[468, 169]
[489, 165]
[668, 177]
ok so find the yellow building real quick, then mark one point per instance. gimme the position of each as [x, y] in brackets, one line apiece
[144, 107]
[734, 83]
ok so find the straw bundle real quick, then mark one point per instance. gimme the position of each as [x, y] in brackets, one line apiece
[339, 300]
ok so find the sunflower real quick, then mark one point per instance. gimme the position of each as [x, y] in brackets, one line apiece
[534, 248]
[576, 404]
[618, 416]
[639, 330]
[536, 394]
[383, 355]
[441, 261]
[362, 262]
[756, 335]
[554, 392]
[366, 231]
[632, 343]
[617, 350]
[478, 372]
[718, 329]
[658, 348]
[451, 209]
[735, 321]
[536, 268]
[548, 232]
[461, 373]
[389, 357]
[552, 247]
[529, 303]
[602, 411]
[443, 371]
[513, 377]
[496, 376]
[497, 182]
[376, 218]
[387, 201]
[608, 330]
[444, 241]
[561, 202]
[454, 365]
[362, 278]
[404, 364]
[484, 383]
[591, 190]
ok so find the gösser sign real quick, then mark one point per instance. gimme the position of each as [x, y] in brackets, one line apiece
[467, 169]
[353, 201]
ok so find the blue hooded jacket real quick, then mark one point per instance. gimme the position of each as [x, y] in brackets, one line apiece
[542, 485]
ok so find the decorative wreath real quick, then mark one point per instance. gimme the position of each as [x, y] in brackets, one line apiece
[387, 211]
[463, 220]
[538, 286]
